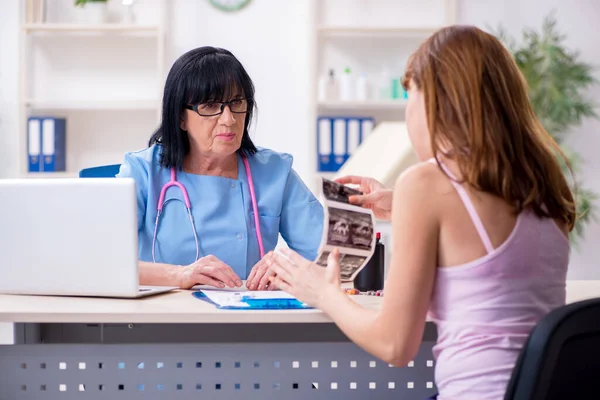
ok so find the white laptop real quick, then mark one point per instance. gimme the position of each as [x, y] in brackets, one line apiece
[71, 237]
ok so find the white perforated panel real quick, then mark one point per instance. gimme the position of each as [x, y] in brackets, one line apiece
[217, 371]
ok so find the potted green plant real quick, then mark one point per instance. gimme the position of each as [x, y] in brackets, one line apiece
[92, 11]
[557, 82]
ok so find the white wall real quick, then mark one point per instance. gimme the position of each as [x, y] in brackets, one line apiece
[578, 20]
[9, 107]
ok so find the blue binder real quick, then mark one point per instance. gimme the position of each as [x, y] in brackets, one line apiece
[258, 304]
[337, 138]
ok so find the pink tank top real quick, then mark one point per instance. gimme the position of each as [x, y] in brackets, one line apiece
[485, 309]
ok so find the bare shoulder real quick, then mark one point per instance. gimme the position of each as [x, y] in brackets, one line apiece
[423, 178]
[422, 188]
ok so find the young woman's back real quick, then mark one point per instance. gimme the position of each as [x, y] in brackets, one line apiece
[498, 274]
[502, 206]
[479, 233]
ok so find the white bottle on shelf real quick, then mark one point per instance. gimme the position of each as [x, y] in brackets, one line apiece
[384, 85]
[362, 87]
[346, 85]
[328, 88]
[322, 89]
[332, 89]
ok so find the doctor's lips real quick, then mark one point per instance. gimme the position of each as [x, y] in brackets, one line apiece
[226, 136]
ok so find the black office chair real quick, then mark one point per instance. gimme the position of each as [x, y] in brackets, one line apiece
[561, 358]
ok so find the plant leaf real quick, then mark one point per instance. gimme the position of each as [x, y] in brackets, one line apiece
[557, 81]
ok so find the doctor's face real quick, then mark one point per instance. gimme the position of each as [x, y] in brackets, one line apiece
[216, 134]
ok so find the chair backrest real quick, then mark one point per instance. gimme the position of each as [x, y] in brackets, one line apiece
[102, 171]
[561, 359]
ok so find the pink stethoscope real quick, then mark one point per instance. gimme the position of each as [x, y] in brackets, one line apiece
[186, 199]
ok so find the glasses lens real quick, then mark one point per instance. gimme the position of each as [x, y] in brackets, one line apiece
[209, 108]
[239, 106]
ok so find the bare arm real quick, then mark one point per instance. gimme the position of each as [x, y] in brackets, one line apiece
[393, 333]
[207, 270]
[155, 274]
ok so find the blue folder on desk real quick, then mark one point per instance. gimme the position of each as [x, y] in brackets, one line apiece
[249, 301]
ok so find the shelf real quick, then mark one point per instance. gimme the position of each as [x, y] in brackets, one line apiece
[364, 105]
[90, 28]
[352, 32]
[49, 175]
[93, 105]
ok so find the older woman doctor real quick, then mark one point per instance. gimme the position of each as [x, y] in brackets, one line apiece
[210, 204]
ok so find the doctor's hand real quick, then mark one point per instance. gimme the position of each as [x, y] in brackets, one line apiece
[376, 196]
[258, 279]
[305, 280]
[209, 271]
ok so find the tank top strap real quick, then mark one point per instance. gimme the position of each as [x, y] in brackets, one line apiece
[464, 196]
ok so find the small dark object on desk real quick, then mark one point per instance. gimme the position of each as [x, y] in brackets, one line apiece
[371, 277]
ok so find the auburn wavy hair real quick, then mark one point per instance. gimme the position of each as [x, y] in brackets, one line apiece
[477, 105]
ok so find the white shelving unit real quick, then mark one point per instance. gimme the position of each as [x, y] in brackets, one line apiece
[105, 79]
[52, 105]
[360, 35]
[370, 37]
[94, 28]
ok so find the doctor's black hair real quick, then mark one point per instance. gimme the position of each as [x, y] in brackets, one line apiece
[200, 75]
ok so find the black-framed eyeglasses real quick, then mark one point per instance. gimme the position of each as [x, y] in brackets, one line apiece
[236, 106]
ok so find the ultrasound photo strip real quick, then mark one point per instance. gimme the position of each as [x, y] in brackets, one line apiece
[350, 265]
[350, 229]
[334, 191]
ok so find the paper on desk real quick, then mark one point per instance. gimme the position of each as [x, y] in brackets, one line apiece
[201, 288]
[235, 299]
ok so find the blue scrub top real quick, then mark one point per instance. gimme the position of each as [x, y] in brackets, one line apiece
[222, 211]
